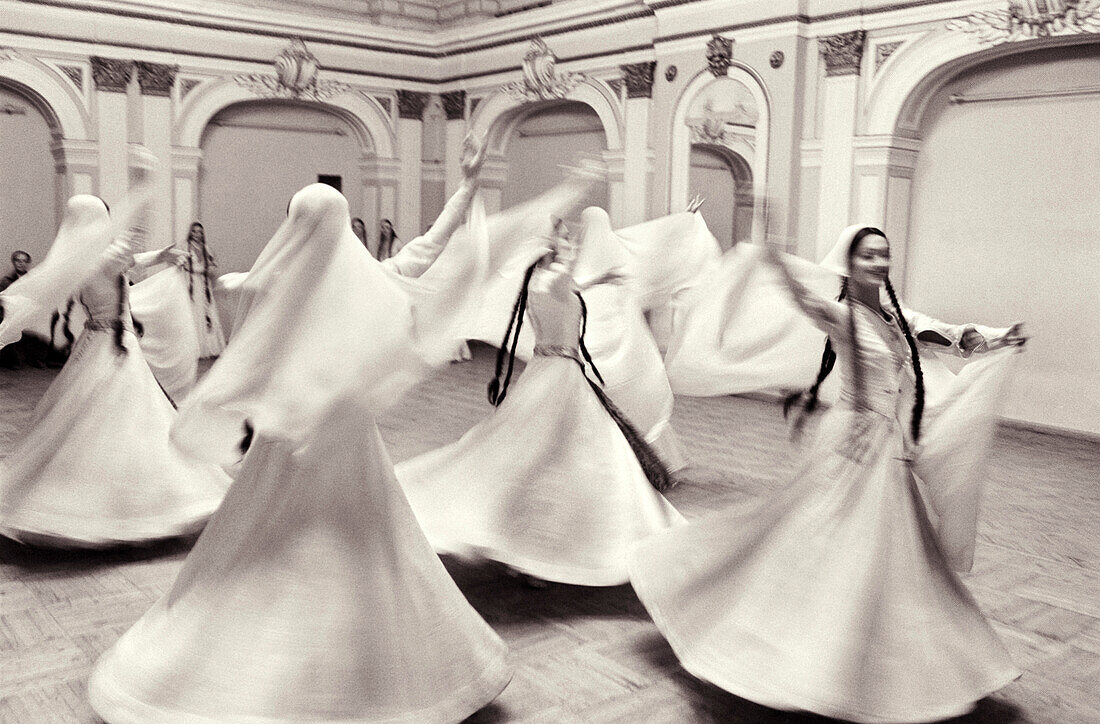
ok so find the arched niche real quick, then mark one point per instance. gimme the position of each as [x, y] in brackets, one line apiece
[365, 116]
[50, 94]
[723, 178]
[732, 111]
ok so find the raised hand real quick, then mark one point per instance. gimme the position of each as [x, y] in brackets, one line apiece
[473, 155]
[695, 203]
[1015, 336]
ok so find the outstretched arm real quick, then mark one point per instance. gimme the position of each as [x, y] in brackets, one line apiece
[824, 313]
[416, 256]
[962, 340]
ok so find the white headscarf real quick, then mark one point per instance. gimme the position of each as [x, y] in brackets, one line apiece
[836, 260]
[84, 234]
[320, 319]
[600, 248]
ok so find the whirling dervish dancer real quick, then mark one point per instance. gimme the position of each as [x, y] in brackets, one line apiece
[838, 595]
[96, 466]
[555, 483]
[619, 339]
[313, 594]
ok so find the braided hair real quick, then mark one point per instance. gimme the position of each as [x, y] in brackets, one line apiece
[206, 259]
[809, 398]
[655, 471]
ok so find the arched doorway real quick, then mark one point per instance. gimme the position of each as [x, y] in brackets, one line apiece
[1002, 217]
[28, 186]
[723, 178]
[255, 156]
[541, 140]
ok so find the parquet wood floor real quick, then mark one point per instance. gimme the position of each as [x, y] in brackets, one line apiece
[592, 655]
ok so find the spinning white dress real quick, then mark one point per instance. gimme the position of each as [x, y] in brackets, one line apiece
[312, 595]
[547, 483]
[96, 466]
[168, 341]
[837, 596]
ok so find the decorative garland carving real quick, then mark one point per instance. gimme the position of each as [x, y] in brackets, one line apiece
[111, 74]
[1028, 19]
[454, 104]
[156, 79]
[843, 52]
[639, 79]
[296, 71]
[541, 80]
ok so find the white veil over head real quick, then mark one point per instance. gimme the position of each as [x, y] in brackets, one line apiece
[319, 320]
[84, 234]
[836, 260]
[600, 249]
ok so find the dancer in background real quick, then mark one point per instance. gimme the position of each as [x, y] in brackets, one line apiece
[386, 239]
[200, 287]
[556, 482]
[621, 344]
[838, 596]
[96, 467]
[313, 594]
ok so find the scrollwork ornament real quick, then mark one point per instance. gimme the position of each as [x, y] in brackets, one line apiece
[542, 81]
[843, 52]
[719, 55]
[1029, 19]
[296, 76]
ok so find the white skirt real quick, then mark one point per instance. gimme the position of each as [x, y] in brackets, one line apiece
[834, 596]
[312, 595]
[546, 484]
[96, 466]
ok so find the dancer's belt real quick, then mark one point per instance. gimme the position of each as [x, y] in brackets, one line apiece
[559, 350]
[104, 325]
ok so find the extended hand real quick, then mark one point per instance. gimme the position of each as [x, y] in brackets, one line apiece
[473, 155]
[695, 203]
[1015, 336]
[172, 255]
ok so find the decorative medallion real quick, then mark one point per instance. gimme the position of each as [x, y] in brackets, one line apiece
[410, 104]
[670, 73]
[1027, 19]
[295, 76]
[775, 60]
[843, 52]
[111, 74]
[156, 79]
[639, 79]
[884, 51]
[454, 104]
[541, 80]
[719, 55]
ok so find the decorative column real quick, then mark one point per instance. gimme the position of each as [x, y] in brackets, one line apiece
[410, 114]
[156, 81]
[454, 106]
[381, 178]
[494, 174]
[843, 54]
[883, 181]
[637, 156]
[186, 163]
[111, 76]
[616, 186]
[77, 165]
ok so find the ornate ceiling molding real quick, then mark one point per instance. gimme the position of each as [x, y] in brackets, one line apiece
[639, 79]
[411, 104]
[454, 104]
[1029, 19]
[156, 79]
[111, 74]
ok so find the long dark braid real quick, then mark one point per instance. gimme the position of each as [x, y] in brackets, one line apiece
[119, 325]
[206, 259]
[498, 387]
[652, 465]
[918, 402]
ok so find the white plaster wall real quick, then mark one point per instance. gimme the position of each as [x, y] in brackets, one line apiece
[1004, 224]
[249, 174]
[28, 218]
[712, 178]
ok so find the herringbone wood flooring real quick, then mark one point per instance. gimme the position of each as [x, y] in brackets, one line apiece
[592, 655]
